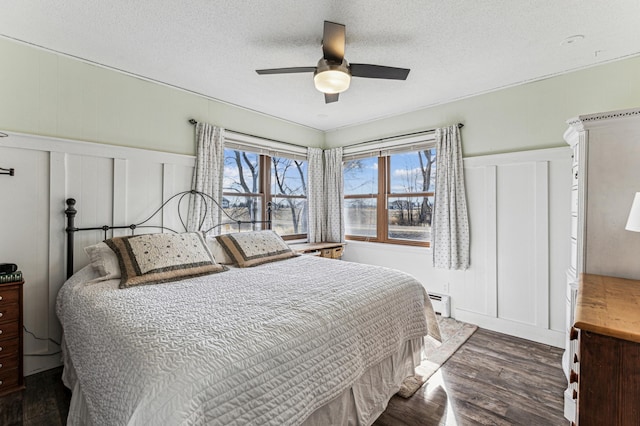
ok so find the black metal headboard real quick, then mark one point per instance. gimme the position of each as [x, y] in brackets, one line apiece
[71, 211]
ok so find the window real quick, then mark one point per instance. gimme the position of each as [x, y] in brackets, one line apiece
[256, 186]
[289, 196]
[389, 198]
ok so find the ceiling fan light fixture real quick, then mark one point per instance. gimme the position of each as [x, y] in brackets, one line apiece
[330, 78]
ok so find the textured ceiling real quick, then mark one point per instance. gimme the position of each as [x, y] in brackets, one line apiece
[455, 48]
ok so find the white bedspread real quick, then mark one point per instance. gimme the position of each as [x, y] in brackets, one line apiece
[257, 346]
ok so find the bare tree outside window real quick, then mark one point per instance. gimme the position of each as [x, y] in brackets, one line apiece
[289, 196]
[411, 193]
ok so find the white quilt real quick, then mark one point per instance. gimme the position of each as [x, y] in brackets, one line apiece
[258, 346]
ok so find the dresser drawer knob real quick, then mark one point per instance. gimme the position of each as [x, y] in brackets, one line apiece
[0, 365]
[0, 297]
[1, 314]
[0, 382]
[0, 331]
[573, 377]
[573, 334]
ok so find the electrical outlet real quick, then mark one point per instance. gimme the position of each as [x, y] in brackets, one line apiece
[446, 288]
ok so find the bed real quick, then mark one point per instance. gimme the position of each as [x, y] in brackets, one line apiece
[288, 341]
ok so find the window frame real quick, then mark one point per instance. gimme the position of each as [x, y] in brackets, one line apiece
[382, 197]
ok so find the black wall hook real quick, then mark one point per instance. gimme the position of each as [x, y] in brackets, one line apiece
[10, 172]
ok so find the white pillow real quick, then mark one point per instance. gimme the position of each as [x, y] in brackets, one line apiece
[104, 262]
[219, 253]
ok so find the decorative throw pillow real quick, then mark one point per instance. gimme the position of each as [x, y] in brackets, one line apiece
[104, 262]
[255, 248]
[160, 258]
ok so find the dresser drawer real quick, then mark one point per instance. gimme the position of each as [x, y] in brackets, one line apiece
[8, 362]
[9, 348]
[8, 330]
[9, 312]
[9, 296]
[9, 379]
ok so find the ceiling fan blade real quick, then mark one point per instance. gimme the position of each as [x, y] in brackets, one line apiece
[286, 70]
[331, 97]
[378, 71]
[333, 41]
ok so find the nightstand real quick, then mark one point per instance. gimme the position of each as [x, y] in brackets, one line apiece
[323, 249]
[11, 369]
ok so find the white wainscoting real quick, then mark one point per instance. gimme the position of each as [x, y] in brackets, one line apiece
[519, 210]
[112, 185]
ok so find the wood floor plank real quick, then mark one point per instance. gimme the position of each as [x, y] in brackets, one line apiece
[493, 379]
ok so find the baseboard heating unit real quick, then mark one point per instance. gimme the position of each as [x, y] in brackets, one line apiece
[441, 304]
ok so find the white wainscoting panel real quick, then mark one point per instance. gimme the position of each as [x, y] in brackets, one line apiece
[111, 185]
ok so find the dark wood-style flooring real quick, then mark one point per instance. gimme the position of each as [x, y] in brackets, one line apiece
[493, 379]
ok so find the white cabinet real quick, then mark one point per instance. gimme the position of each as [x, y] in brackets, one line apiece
[605, 177]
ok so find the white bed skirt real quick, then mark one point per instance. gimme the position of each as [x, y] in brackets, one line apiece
[361, 404]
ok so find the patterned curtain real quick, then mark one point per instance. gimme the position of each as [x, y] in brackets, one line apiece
[325, 197]
[450, 227]
[207, 177]
[334, 189]
[315, 196]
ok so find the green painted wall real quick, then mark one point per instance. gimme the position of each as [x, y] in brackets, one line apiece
[52, 95]
[529, 116]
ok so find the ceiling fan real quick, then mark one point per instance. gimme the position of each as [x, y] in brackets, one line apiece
[333, 73]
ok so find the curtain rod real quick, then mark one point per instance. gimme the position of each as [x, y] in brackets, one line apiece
[194, 122]
[421, 132]
[460, 126]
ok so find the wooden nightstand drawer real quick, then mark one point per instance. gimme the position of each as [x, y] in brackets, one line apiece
[9, 312]
[9, 296]
[8, 330]
[9, 348]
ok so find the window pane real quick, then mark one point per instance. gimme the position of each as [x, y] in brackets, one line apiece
[360, 217]
[240, 208]
[289, 216]
[410, 218]
[413, 172]
[361, 176]
[288, 177]
[241, 172]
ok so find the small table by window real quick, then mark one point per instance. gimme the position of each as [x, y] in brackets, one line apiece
[322, 249]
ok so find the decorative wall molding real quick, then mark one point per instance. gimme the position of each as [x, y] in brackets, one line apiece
[112, 184]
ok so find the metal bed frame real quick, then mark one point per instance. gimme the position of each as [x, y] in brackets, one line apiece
[71, 229]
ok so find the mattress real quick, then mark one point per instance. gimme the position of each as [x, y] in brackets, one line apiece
[299, 340]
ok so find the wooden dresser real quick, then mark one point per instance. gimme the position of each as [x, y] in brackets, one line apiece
[605, 177]
[607, 363]
[11, 376]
